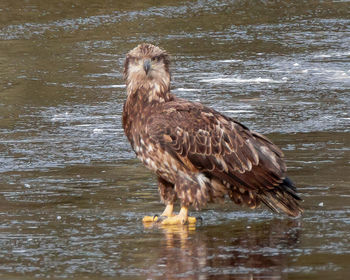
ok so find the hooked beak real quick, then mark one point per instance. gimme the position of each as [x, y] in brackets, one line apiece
[147, 65]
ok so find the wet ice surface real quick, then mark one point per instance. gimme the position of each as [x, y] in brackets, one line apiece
[72, 196]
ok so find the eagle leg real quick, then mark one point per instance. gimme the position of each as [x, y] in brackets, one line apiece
[168, 211]
[180, 219]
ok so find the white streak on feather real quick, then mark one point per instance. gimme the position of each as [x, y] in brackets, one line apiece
[253, 151]
[150, 148]
[202, 179]
[270, 155]
[174, 166]
[221, 161]
[185, 176]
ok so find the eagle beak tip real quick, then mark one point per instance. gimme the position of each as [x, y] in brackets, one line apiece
[147, 66]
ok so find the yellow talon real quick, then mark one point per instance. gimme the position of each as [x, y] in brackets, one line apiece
[149, 219]
[191, 220]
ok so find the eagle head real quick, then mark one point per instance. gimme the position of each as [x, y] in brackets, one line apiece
[147, 66]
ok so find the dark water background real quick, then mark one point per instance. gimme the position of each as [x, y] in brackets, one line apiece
[72, 196]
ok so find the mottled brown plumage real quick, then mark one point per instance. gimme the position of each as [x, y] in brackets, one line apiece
[198, 154]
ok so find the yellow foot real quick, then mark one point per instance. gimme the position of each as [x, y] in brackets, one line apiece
[179, 220]
[151, 219]
[168, 217]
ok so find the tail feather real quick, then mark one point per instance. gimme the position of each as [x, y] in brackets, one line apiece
[283, 198]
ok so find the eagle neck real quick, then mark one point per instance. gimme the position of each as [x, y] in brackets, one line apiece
[149, 93]
[140, 104]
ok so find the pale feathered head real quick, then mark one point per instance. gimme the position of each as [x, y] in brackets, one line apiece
[147, 66]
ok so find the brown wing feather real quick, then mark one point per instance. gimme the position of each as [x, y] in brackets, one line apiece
[250, 165]
[213, 142]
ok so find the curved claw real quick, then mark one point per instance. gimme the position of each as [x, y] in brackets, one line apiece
[199, 218]
[160, 218]
[155, 218]
[192, 220]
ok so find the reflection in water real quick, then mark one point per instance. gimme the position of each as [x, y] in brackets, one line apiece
[257, 251]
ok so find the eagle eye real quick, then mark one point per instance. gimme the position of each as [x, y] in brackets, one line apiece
[156, 58]
[132, 59]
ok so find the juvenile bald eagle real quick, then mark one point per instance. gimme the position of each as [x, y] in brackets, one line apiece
[198, 154]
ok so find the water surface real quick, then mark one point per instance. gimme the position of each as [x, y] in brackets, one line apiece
[72, 194]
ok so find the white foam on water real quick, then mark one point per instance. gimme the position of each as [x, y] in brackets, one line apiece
[72, 85]
[322, 56]
[97, 130]
[97, 75]
[187, 89]
[111, 86]
[335, 74]
[59, 117]
[334, 54]
[237, 111]
[230, 60]
[241, 80]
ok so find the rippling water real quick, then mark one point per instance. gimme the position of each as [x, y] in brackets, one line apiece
[72, 195]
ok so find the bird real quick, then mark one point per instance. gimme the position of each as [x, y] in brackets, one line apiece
[198, 154]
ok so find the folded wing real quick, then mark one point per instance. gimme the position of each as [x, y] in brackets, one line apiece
[249, 165]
